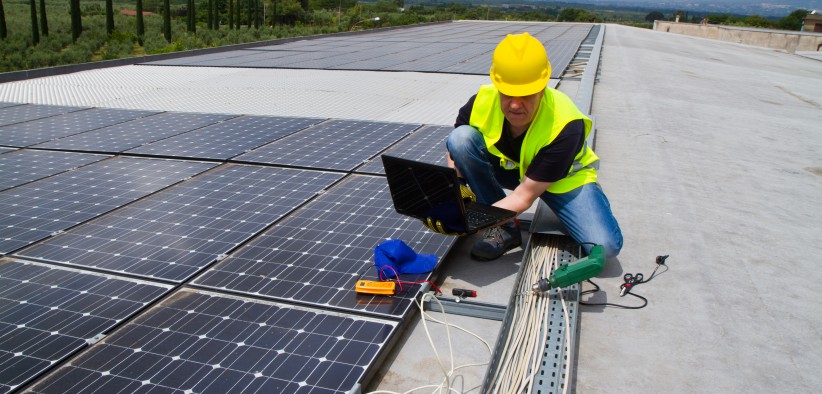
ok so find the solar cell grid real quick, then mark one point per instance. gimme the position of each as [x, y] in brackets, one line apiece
[335, 145]
[206, 343]
[426, 144]
[34, 211]
[132, 134]
[174, 234]
[42, 130]
[23, 166]
[27, 112]
[227, 139]
[48, 313]
[317, 254]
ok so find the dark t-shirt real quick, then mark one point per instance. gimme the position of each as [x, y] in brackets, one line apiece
[552, 161]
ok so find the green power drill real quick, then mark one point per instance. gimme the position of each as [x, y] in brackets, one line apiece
[569, 274]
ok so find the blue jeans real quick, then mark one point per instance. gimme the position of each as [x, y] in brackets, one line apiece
[585, 211]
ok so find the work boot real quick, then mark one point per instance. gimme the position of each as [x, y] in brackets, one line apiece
[496, 241]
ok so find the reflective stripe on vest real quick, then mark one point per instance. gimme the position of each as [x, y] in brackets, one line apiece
[555, 111]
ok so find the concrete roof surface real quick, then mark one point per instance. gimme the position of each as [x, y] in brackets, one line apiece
[711, 153]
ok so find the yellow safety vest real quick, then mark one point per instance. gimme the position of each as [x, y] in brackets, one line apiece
[555, 111]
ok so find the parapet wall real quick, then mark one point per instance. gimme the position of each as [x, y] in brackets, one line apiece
[776, 39]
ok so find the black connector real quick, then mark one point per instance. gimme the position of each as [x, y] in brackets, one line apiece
[660, 260]
[462, 293]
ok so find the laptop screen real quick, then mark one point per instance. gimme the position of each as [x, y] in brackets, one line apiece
[424, 190]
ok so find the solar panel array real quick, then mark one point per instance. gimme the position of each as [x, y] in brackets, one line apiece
[426, 144]
[217, 253]
[24, 113]
[210, 343]
[36, 210]
[125, 136]
[457, 47]
[47, 129]
[47, 313]
[316, 255]
[23, 166]
[334, 145]
[227, 139]
[174, 234]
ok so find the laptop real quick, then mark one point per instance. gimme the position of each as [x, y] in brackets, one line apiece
[423, 190]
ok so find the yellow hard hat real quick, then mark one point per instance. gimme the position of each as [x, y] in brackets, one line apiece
[520, 66]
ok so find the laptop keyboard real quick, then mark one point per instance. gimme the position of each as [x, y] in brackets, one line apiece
[477, 218]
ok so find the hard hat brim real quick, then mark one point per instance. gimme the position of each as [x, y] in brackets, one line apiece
[521, 90]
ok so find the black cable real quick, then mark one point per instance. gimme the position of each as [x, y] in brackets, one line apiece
[631, 281]
[644, 300]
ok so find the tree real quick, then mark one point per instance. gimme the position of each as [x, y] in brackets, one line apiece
[141, 27]
[109, 16]
[44, 22]
[230, 14]
[577, 15]
[76, 21]
[167, 20]
[216, 15]
[35, 32]
[210, 17]
[793, 21]
[3, 31]
[654, 16]
[192, 21]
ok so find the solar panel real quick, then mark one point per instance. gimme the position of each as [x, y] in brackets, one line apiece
[48, 313]
[227, 139]
[42, 130]
[335, 145]
[23, 166]
[459, 47]
[132, 134]
[175, 233]
[34, 211]
[426, 144]
[207, 343]
[23, 113]
[316, 254]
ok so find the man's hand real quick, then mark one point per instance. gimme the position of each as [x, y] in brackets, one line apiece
[437, 227]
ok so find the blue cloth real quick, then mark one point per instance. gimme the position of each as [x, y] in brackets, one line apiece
[585, 211]
[394, 257]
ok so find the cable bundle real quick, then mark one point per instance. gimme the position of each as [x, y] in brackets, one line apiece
[521, 354]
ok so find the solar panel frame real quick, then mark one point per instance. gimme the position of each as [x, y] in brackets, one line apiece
[176, 233]
[129, 135]
[3, 149]
[51, 128]
[315, 255]
[332, 145]
[5, 104]
[210, 343]
[40, 209]
[48, 313]
[426, 144]
[227, 139]
[25, 165]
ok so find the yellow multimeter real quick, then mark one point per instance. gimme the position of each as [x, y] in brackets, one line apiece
[375, 287]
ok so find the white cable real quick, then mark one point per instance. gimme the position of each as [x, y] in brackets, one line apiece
[520, 357]
[447, 382]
